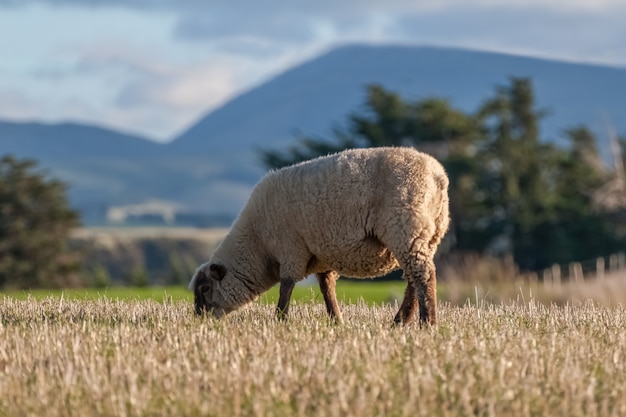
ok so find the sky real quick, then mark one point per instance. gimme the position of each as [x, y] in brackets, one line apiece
[154, 67]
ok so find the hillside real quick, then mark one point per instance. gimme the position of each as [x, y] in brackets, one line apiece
[105, 169]
[101, 166]
[64, 140]
[210, 168]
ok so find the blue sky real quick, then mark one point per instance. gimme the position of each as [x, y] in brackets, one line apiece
[153, 67]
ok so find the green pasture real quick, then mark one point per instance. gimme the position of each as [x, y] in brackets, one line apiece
[350, 292]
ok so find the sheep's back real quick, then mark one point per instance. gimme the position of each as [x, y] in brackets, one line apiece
[334, 203]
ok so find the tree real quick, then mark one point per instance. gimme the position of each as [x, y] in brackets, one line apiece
[99, 277]
[540, 196]
[516, 177]
[35, 223]
[138, 276]
[578, 229]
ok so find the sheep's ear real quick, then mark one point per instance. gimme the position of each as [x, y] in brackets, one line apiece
[218, 272]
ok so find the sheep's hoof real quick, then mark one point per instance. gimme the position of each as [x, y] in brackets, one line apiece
[281, 315]
[401, 320]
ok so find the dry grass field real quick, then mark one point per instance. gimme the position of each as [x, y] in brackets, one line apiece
[142, 358]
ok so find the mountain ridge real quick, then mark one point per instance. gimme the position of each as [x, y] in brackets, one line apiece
[212, 165]
[377, 65]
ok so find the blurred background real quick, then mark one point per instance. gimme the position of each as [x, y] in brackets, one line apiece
[132, 132]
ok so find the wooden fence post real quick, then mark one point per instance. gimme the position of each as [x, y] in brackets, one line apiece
[547, 277]
[556, 275]
[576, 272]
[533, 283]
[600, 268]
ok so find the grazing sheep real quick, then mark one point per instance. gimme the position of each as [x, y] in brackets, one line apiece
[360, 213]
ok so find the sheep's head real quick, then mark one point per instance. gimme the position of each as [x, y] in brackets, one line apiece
[207, 297]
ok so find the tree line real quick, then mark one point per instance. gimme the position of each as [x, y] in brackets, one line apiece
[511, 192]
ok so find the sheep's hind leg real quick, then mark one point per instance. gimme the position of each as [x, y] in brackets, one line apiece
[407, 310]
[327, 281]
[427, 295]
[286, 288]
[419, 271]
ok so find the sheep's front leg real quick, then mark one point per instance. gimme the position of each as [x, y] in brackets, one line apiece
[406, 313]
[327, 281]
[286, 288]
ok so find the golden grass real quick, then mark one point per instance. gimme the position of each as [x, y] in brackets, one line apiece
[143, 358]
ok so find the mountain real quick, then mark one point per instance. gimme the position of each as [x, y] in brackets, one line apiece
[211, 167]
[99, 165]
[104, 168]
[311, 97]
[63, 140]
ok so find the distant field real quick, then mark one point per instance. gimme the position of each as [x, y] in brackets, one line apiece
[105, 357]
[609, 291]
[347, 291]
[175, 293]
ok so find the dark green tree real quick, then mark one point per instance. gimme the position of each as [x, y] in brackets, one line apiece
[576, 229]
[539, 196]
[35, 223]
[98, 277]
[138, 276]
[515, 177]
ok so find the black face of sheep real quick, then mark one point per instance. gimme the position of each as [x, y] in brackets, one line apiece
[204, 291]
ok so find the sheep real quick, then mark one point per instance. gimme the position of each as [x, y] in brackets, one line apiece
[359, 213]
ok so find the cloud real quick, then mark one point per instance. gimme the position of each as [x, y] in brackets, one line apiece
[155, 66]
[125, 87]
[315, 5]
[17, 105]
[287, 26]
[136, 90]
[201, 85]
[261, 28]
[577, 29]
[578, 37]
